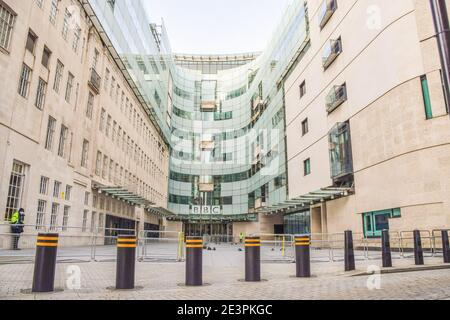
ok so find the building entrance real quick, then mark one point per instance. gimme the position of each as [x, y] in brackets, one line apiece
[212, 229]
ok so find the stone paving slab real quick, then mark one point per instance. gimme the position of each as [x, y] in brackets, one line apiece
[223, 270]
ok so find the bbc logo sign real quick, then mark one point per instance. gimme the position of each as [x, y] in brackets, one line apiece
[205, 210]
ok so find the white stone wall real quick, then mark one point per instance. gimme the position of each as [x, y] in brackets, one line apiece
[23, 127]
[400, 159]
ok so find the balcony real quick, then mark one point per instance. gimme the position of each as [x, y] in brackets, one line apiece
[331, 52]
[208, 106]
[341, 157]
[206, 187]
[256, 103]
[95, 81]
[336, 97]
[326, 10]
[207, 145]
[259, 204]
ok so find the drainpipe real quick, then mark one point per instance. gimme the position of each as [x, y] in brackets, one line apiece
[441, 24]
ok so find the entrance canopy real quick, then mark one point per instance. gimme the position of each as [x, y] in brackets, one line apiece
[160, 211]
[307, 200]
[126, 195]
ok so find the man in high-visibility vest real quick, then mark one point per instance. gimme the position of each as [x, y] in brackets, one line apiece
[241, 237]
[16, 221]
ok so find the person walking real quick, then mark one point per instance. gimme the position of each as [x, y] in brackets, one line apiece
[16, 221]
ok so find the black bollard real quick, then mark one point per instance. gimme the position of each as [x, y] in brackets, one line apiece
[252, 259]
[194, 247]
[349, 254]
[302, 256]
[386, 249]
[445, 246]
[126, 260]
[418, 250]
[45, 262]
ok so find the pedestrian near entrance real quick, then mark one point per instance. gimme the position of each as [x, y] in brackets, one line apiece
[16, 221]
[241, 237]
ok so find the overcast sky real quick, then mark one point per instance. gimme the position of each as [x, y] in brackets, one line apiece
[217, 26]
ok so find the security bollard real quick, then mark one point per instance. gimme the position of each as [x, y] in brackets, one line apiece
[126, 260]
[349, 253]
[253, 259]
[445, 246]
[418, 250]
[386, 249]
[45, 262]
[194, 247]
[302, 256]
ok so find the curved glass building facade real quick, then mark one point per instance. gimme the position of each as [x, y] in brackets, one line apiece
[222, 117]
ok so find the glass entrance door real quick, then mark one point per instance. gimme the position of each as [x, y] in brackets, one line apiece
[375, 223]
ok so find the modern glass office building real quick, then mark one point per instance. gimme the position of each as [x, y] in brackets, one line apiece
[223, 116]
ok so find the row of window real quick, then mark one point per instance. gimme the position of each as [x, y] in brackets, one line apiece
[25, 78]
[57, 189]
[126, 107]
[109, 170]
[54, 215]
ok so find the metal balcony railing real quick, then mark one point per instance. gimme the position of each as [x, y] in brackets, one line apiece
[94, 81]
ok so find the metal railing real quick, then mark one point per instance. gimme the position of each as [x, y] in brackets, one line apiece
[277, 247]
[160, 246]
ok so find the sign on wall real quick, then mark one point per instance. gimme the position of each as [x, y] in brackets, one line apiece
[205, 210]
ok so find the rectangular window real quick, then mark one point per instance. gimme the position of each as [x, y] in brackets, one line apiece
[102, 120]
[50, 133]
[46, 54]
[76, 38]
[24, 81]
[43, 186]
[106, 79]
[98, 164]
[108, 126]
[111, 170]
[16, 184]
[90, 106]
[31, 41]
[69, 87]
[40, 94]
[87, 195]
[307, 167]
[68, 193]
[326, 10]
[105, 167]
[341, 158]
[62, 141]
[58, 76]
[40, 214]
[7, 19]
[302, 89]
[65, 27]
[426, 97]
[113, 84]
[56, 189]
[54, 216]
[305, 127]
[85, 154]
[53, 11]
[65, 221]
[85, 218]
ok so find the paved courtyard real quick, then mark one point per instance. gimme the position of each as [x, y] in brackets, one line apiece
[223, 269]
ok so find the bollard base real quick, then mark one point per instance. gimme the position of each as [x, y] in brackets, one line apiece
[136, 288]
[311, 276]
[192, 286]
[30, 291]
[256, 281]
